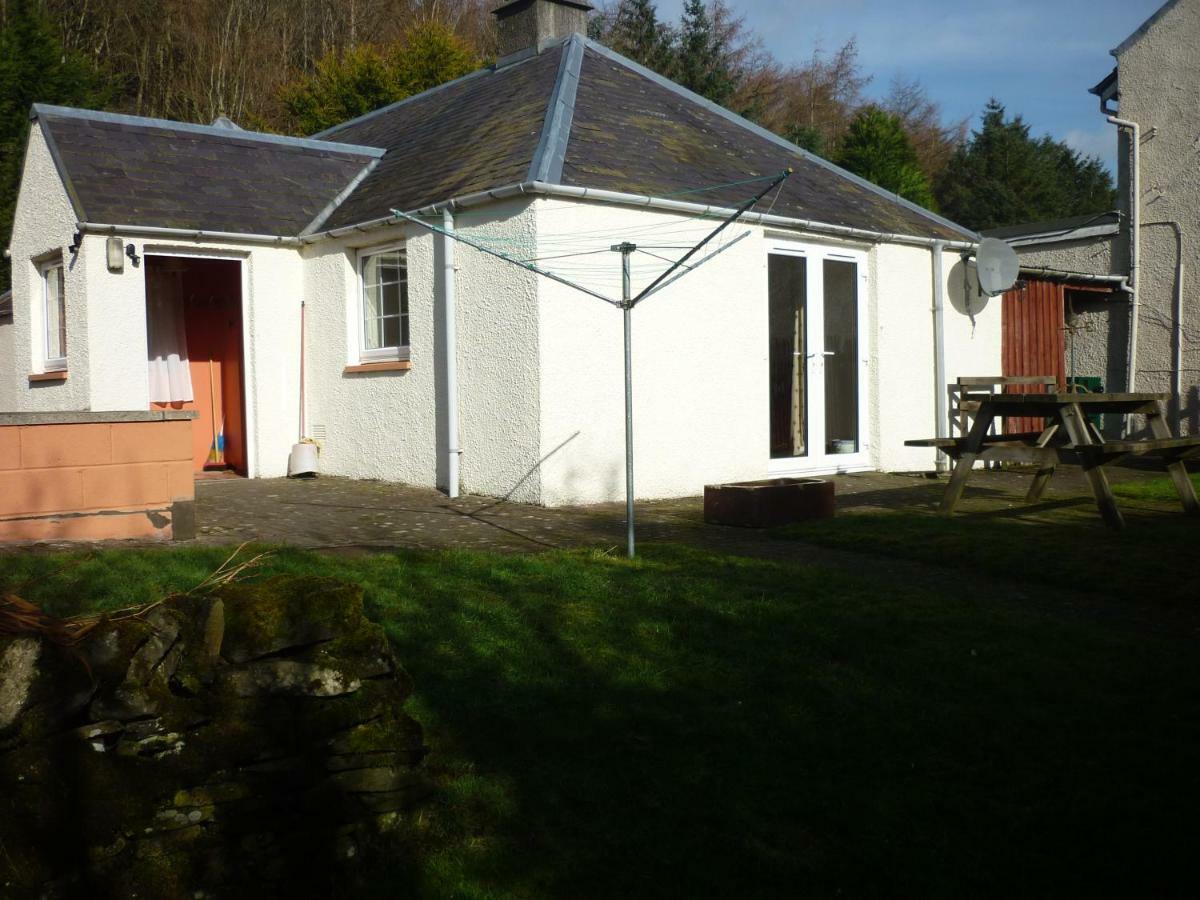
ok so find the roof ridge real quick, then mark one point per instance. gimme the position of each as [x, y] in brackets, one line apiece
[771, 136]
[69, 112]
[551, 151]
[331, 207]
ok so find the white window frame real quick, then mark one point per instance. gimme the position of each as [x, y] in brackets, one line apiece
[53, 363]
[382, 354]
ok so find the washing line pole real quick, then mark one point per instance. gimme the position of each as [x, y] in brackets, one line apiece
[626, 250]
[626, 304]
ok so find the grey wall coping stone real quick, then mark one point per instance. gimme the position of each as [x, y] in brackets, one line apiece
[80, 417]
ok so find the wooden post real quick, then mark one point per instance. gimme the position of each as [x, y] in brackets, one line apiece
[965, 462]
[1046, 468]
[1075, 424]
[1178, 469]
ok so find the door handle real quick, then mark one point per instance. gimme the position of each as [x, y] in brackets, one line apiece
[822, 353]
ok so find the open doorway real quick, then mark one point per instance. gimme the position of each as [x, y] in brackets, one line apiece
[194, 335]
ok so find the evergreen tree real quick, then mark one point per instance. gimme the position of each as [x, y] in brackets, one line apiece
[34, 68]
[1002, 176]
[431, 54]
[362, 79]
[703, 62]
[636, 32]
[877, 148]
[807, 136]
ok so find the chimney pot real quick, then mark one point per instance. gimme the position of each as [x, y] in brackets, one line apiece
[525, 26]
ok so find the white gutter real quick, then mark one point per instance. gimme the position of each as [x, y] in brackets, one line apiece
[1064, 236]
[1177, 315]
[542, 189]
[1135, 196]
[1119, 282]
[186, 233]
[451, 340]
[939, 354]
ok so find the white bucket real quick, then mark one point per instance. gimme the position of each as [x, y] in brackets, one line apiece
[303, 460]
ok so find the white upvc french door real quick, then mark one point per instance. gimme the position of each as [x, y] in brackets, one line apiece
[818, 358]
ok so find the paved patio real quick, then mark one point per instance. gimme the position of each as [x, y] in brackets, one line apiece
[338, 513]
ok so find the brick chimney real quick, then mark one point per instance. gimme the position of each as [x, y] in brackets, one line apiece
[524, 26]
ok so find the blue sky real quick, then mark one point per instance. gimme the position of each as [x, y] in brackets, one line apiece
[1038, 58]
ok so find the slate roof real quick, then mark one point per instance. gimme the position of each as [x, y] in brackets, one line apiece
[578, 114]
[127, 170]
[575, 114]
[660, 142]
[472, 134]
[1059, 228]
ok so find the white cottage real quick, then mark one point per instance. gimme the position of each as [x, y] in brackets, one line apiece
[264, 282]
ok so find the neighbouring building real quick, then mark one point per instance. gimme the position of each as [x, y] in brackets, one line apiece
[264, 282]
[1115, 286]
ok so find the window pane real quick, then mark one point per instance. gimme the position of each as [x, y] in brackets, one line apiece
[385, 301]
[371, 307]
[373, 334]
[391, 299]
[56, 319]
[391, 332]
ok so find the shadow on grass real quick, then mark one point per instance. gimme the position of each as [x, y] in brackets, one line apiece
[697, 725]
[1058, 544]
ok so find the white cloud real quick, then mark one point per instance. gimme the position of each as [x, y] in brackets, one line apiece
[1101, 142]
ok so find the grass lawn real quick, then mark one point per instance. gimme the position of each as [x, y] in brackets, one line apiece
[697, 725]
[1060, 544]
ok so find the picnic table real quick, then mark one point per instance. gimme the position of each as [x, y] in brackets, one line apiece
[1068, 437]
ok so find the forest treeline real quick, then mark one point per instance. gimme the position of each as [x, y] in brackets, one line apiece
[298, 66]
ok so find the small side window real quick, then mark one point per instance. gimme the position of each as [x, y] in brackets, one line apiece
[54, 317]
[383, 308]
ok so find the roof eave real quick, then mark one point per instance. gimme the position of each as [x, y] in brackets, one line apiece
[542, 189]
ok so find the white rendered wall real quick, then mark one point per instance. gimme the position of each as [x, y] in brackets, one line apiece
[699, 360]
[8, 384]
[390, 425]
[700, 357]
[904, 345]
[44, 223]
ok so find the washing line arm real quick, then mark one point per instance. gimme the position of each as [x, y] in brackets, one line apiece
[694, 266]
[733, 217]
[504, 256]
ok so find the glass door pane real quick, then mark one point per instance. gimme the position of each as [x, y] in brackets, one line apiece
[788, 297]
[841, 368]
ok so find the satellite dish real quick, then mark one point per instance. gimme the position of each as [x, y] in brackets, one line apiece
[998, 266]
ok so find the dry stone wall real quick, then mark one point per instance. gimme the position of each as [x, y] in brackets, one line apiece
[250, 742]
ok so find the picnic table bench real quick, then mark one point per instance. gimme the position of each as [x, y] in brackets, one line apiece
[1067, 438]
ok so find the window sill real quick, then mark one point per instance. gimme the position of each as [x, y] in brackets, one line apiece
[60, 375]
[395, 365]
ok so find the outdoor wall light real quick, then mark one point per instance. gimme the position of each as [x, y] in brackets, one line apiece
[116, 258]
[76, 243]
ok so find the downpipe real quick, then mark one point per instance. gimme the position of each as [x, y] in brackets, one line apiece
[1176, 316]
[453, 451]
[942, 465]
[1135, 196]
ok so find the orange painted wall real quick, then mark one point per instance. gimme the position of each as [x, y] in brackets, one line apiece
[93, 480]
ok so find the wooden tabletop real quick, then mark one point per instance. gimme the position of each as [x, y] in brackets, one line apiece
[1062, 398]
[1029, 404]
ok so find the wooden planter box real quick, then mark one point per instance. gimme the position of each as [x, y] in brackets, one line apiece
[768, 503]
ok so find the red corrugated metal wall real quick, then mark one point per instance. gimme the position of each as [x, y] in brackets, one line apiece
[1032, 338]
